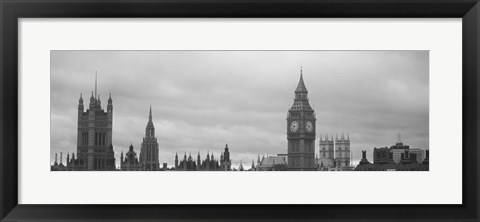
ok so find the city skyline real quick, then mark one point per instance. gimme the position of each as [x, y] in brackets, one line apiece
[232, 98]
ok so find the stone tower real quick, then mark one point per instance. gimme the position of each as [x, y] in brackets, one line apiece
[342, 151]
[301, 131]
[130, 163]
[149, 151]
[326, 152]
[94, 135]
[225, 161]
[176, 161]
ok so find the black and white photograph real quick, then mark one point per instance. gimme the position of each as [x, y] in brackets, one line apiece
[239, 110]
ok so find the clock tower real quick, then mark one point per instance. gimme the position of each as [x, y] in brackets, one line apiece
[301, 131]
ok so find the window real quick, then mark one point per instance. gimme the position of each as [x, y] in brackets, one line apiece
[96, 139]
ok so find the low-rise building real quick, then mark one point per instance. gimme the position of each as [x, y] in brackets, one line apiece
[272, 163]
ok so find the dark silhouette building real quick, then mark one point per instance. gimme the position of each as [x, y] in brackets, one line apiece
[130, 162]
[94, 136]
[149, 156]
[301, 131]
[208, 164]
[384, 162]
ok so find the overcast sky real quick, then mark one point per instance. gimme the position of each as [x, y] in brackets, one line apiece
[202, 100]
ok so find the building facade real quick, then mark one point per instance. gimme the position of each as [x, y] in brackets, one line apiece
[225, 161]
[272, 163]
[398, 149]
[420, 153]
[94, 136]
[130, 162]
[382, 156]
[149, 156]
[208, 164]
[342, 152]
[326, 151]
[301, 131]
[384, 162]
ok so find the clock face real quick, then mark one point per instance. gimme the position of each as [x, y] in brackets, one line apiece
[294, 126]
[309, 126]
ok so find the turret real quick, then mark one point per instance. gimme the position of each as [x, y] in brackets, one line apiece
[92, 104]
[99, 103]
[198, 160]
[226, 155]
[176, 160]
[110, 105]
[80, 106]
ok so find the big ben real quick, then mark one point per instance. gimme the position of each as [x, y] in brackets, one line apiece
[301, 131]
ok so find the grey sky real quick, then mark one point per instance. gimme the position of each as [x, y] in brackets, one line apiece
[202, 100]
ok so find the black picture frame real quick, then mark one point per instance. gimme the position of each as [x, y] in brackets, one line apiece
[12, 10]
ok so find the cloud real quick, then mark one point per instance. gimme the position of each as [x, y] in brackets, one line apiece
[202, 100]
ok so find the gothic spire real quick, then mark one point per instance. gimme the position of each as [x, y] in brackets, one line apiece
[301, 85]
[150, 115]
[95, 83]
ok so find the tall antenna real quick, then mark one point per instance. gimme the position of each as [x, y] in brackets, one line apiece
[95, 84]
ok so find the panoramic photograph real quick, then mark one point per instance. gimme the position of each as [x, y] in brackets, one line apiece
[239, 110]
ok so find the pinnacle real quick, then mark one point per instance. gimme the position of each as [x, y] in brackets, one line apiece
[301, 85]
[150, 115]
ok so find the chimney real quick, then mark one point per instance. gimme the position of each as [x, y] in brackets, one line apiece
[61, 157]
[364, 154]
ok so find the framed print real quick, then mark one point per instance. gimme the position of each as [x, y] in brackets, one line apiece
[267, 110]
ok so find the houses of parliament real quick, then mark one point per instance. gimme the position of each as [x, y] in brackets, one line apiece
[95, 149]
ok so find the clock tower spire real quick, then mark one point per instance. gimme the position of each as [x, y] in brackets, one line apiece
[301, 130]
